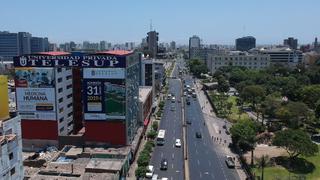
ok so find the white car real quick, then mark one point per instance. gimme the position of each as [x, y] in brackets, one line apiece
[164, 178]
[173, 99]
[178, 143]
[169, 96]
[150, 171]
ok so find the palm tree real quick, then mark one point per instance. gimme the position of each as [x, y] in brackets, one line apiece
[262, 163]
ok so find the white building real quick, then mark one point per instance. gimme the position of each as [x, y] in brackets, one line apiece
[236, 58]
[64, 100]
[11, 163]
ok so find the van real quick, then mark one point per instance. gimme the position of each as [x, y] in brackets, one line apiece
[155, 177]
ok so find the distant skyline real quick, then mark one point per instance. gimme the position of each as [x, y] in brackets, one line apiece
[215, 22]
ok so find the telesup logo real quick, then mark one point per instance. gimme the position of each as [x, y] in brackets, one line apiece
[23, 61]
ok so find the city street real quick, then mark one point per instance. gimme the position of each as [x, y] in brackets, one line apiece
[205, 159]
[171, 122]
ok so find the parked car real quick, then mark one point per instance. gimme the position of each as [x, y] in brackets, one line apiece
[178, 143]
[189, 121]
[164, 164]
[198, 135]
[188, 102]
[229, 161]
[169, 96]
[155, 177]
[173, 99]
[150, 171]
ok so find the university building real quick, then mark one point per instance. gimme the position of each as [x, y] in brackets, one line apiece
[94, 96]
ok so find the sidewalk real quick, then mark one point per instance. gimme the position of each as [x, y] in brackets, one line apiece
[215, 124]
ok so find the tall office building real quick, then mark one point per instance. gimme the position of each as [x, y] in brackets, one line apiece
[194, 46]
[9, 44]
[173, 45]
[152, 40]
[24, 42]
[39, 44]
[245, 43]
[291, 43]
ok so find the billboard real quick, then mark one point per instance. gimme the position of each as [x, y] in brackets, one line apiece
[104, 73]
[104, 93]
[70, 61]
[34, 77]
[36, 103]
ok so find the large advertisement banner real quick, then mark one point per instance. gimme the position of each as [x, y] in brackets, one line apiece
[36, 103]
[34, 77]
[104, 94]
[104, 73]
[70, 61]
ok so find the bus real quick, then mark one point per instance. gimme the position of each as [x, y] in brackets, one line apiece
[160, 137]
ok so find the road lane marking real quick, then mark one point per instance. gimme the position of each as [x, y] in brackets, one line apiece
[198, 162]
[161, 155]
[200, 175]
[196, 151]
[172, 166]
[172, 155]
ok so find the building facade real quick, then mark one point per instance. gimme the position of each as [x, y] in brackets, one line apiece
[9, 44]
[39, 44]
[283, 56]
[145, 104]
[11, 165]
[245, 43]
[152, 41]
[194, 47]
[291, 43]
[241, 59]
[44, 99]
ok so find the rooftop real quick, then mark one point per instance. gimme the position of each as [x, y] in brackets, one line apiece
[144, 91]
[104, 165]
[116, 52]
[53, 53]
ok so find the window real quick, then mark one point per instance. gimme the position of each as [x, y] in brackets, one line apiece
[70, 114]
[13, 171]
[69, 105]
[69, 96]
[60, 90]
[11, 156]
[61, 100]
[61, 120]
[61, 129]
[59, 69]
[70, 123]
[59, 80]
[61, 110]
[69, 86]
[68, 77]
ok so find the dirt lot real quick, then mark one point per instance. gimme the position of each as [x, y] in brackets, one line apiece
[262, 149]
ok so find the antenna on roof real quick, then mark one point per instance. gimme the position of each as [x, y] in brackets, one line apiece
[151, 25]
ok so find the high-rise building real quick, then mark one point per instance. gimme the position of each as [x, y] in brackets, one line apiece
[11, 160]
[24, 43]
[194, 46]
[152, 40]
[283, 56]
[9, 44]
[291, 43]
[39, 44]
[173, 45]
[103, 45]
[245, 43]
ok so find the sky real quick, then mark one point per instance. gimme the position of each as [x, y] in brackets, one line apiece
[119, 21]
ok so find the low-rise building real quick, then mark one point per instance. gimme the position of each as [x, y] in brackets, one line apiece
[236, 58]
[145, 104]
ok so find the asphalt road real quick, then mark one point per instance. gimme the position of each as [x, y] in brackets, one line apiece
[171, 122]
[205, 160]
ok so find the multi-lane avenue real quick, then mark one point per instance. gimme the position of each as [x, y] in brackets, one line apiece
[205, 161]
[171, 122]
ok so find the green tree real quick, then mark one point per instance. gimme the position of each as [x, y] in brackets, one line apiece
[223, 84]
[243, 135]
[155, 125]
[253, 94]
[262, 163]
[141, 171]
[295, 142]
[152, 134]
[310, 95]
